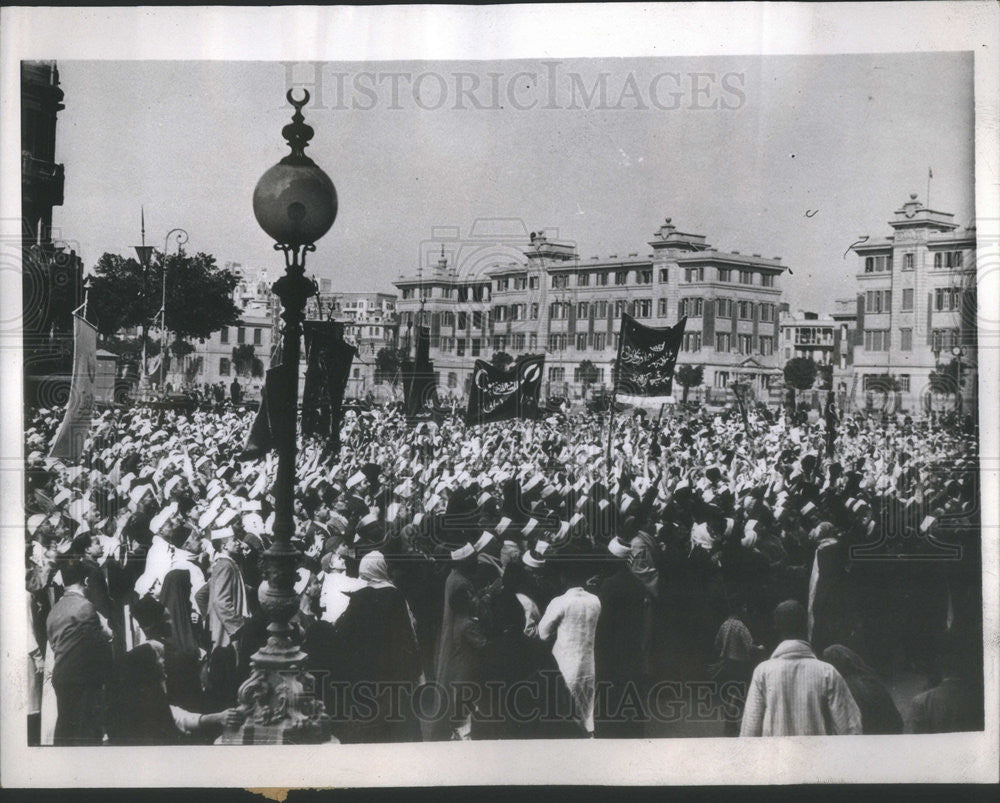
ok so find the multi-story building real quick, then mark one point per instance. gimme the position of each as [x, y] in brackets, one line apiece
[813, 336]
[570, 308]
[916, 309]
[370, 323]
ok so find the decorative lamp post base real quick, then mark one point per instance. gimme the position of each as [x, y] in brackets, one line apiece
[279, 706]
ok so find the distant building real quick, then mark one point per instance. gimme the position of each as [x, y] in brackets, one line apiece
[813, 336]
[916, 309]
[370, 323]
[552, 301]
[845, 318]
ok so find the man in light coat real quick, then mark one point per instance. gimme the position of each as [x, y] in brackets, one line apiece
[794, 693]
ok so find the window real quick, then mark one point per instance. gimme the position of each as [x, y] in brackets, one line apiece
[723, 341]
[447, 318]
[446, 343]
[645, 308]
[745, 344]
[664, 275]
[534, 312]
[904, 382]
[946, 299]
[725, 275]
[500, 313]
[463, 320]
[661, 308]
[878, 301]
[906, 340]
[502, 284]
[477, 320]
[582, 279]
[745, 309]
[695, 306]
[601, 279]
[766, 345]
[907, 298]
[601, 308]
[452, 379]
[908, 261]
[224, 334]
[723, 308]
[476, 346]
[532, 341]
[692, 341]
[600, 340]
[520, 282]
[555, 310]
[426, 292]
[621, 277]
[644, 276]
[878, 264]
[407, 293]
[560, 282]
[694, 275]
[533, 283]
[722, 379]
[767, 280]
[767, 313]
[241, 335]
[581, 309]
[746, 277]
[460, 346]
[948, 259]
[463, 293]
[944, 339]
[581, 341]
[499, 343]
[620, 307]
[224, 366]
[518, 342]
[557, 374]
[876, 340]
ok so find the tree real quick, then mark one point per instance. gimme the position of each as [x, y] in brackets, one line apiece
[588, 374]
[501, 360]
[243, 359]
[800, 373]
[947, 378]
[689, 376]
[388, 362]
[198, 295]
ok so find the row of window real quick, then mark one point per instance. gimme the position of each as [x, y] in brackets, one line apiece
[942, 259]
[881, 339]
[560, 281]
[877, 382]
[462, 293]
[946, 299]
[241, 335]
[724, 308]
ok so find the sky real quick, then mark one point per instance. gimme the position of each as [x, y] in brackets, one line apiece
[790, 156]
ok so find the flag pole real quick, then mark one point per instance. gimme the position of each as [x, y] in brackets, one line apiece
[930, 175]
[614, 393]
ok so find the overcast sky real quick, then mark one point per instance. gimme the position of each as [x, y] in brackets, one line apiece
[737, 149]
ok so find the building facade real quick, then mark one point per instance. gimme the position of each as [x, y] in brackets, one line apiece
[553, 302]
[916, 311]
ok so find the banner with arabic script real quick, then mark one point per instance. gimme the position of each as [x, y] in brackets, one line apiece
[646, 358]
[496, 395]
[68, 444]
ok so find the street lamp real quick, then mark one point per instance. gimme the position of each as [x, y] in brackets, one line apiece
[295, 203]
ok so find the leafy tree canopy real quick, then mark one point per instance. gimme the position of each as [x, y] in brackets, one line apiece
[501, 359]
[198, 294]
[800, 373]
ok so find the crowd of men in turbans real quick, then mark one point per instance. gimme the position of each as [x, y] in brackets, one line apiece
[541, 579]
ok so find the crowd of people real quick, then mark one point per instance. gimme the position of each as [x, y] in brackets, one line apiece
[519, 579]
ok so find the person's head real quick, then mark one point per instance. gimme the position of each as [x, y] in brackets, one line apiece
[74, 574]
[790, 620]
[232, 546]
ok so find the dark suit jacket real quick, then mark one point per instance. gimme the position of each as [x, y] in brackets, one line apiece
[81, 650]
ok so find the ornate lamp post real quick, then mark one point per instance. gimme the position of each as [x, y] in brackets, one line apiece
[295, 202]
[181, 238]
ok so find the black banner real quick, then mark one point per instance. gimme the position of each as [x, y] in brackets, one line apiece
[496, 395]
[832, 419]
[646, 358]
[419, 382]
[276, 415]
[328, 366]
